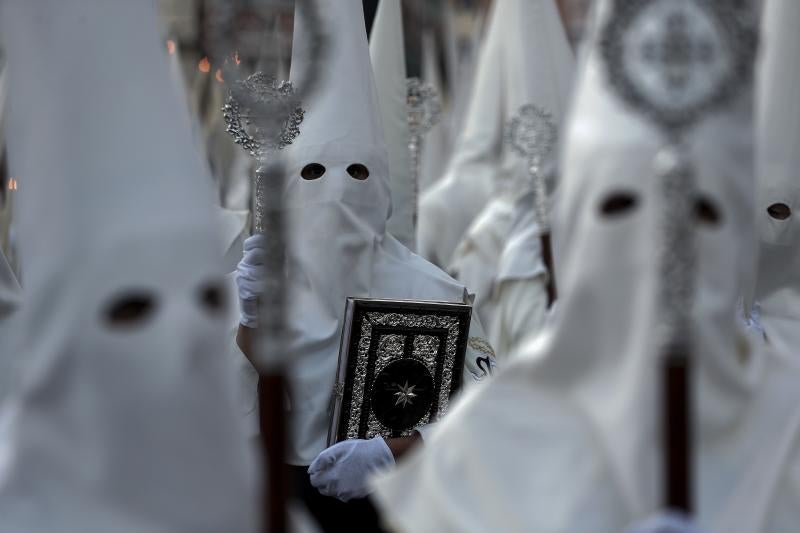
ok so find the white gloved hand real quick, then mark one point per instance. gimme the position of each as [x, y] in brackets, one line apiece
[342, 470]
[753, 322]
[666, 522]
[250, 279]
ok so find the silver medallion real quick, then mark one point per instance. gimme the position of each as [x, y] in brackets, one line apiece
[675, 61]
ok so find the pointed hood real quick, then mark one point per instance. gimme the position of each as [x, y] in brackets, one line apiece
[337, 200]
[336, 191]
[526, 59]
[777, 291]
[462, 59]
[387, 51]
[436, 145]
[344, 111]
[152, 157]
[538, 70]
[125, 418]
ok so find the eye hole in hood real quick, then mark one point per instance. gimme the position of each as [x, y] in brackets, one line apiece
[706, 211]
[312, 171]
[358, 171]
[212, 297]
[130, 309]
[779, 211]
[618, 204]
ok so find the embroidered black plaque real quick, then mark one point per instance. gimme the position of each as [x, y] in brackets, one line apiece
[400, 362]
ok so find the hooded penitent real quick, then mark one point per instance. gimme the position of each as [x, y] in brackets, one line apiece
[337, 200]
[777, 290]
[583, 454]
[448, 207]
[125, 418]
[387, 52]
[525, 59]
[536, 69]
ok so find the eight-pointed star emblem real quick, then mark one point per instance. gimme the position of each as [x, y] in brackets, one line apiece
[405, 394]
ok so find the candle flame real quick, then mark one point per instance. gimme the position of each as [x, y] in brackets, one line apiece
[12, 184]
[204, 65]
[236, 58]
[218, 76]
[170, 46]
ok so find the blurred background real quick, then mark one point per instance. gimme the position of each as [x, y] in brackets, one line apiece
[447, 32]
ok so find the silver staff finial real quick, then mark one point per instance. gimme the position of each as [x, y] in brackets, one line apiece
[260, 134]
[424, 107]
[532, 134]
[267, 135]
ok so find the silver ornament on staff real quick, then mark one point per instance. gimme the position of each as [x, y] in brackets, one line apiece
[263, 116]
[532, 134]
[424, 112]
[676, 63]
[266, 137]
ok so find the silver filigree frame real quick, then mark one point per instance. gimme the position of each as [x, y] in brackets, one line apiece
[424, 106]
[268, 135]
[532, 133]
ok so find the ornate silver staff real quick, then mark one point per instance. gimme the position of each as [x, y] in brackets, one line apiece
[424, 112]
[676, 63]
[266, 139]
[532, 134]
[264, 115]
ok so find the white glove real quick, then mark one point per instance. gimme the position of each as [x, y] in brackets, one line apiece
[342, 470]
[753, 322]
[666, 522]
[250, 279]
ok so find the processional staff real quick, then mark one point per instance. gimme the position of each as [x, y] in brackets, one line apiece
[264, 115]
[532, 134]
[677, 63]
[267, 138]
